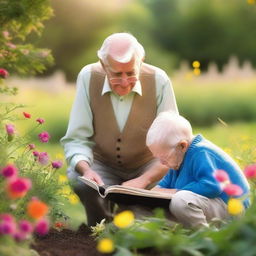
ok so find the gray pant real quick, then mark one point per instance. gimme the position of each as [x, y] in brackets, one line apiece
[193, 210]
[97, 208]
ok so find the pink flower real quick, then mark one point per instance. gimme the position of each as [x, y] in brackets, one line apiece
[26, 115]
[6, 217]
[7, 227]
[18, 187]
[57, 164]
[10, 129]
[3, 73]
[42, 227]
[43, 158]
[44, 137]
[20, 236]
[31, 146]
[233, 190]
[9, 171]
[36, 153]
[40, 120]
[25, 226]
[221, 176]
[250, 171]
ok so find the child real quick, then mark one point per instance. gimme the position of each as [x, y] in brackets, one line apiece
[197, 195]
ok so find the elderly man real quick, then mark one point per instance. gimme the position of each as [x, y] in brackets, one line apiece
[117, 100]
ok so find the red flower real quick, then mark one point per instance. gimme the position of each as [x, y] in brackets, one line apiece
[27, 115]
[40, 120]
[3, 73]
[250, 171]
[233, 190]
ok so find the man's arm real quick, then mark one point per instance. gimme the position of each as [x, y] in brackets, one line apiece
[166, 100]
[150, 176]
[76, 142]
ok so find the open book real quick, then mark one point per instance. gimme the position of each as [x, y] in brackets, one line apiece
[129, 195]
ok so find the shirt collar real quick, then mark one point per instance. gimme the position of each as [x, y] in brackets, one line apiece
[106, 87]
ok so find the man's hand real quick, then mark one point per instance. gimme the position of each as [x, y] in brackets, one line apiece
[84, 170]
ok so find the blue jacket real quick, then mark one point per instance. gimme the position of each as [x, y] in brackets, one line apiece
[197, 168]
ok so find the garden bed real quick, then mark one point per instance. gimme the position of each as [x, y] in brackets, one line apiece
[67, 242]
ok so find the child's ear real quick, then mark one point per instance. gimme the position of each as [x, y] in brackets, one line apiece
[184, 145]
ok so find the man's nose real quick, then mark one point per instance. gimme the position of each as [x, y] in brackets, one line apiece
[124, 80]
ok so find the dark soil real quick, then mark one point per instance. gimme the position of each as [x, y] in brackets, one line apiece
[67, 243]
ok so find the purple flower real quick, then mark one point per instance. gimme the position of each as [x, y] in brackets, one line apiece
[40, 120]
[10, 129]
[7, 226]
[43, 158]
[20, 236]
[36, 153]
[9, 171]
[57, 164]
[42, 227]
[44, 137]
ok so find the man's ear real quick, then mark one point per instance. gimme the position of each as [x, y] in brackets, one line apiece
[184, 145]
[102, 64]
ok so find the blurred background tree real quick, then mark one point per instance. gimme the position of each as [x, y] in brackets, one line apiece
[171, 31]
[19, 19]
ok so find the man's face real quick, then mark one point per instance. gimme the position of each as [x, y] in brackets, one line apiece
[171, 157]
[122, 77]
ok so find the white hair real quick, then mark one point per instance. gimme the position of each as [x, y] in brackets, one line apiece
[133, 48]
[169, 129]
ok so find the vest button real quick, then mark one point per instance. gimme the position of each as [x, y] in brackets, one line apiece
[118, 156]
[119, 140]
[119, 162]
[118, 148]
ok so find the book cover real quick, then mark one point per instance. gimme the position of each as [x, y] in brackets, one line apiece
[129, 195]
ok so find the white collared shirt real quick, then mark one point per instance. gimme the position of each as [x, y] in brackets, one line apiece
[76, 142]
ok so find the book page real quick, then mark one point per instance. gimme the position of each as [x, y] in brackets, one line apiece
[136, 191]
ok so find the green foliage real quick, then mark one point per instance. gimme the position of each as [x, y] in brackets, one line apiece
[204, 103]
[18, 19]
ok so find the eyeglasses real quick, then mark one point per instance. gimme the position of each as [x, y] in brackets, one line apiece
[129, 79]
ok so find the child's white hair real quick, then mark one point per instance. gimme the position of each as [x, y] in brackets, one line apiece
[135, 48]
[169, 129]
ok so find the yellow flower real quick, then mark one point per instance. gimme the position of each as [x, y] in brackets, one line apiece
[251, 1]
[65, 191]
[62, 178]
[196, 64]
[105, 245]
[235, 206]
[59, 156]
[124, 219]
[73, 199]
[197, 71]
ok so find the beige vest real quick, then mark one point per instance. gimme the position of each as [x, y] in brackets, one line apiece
[127, 149]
